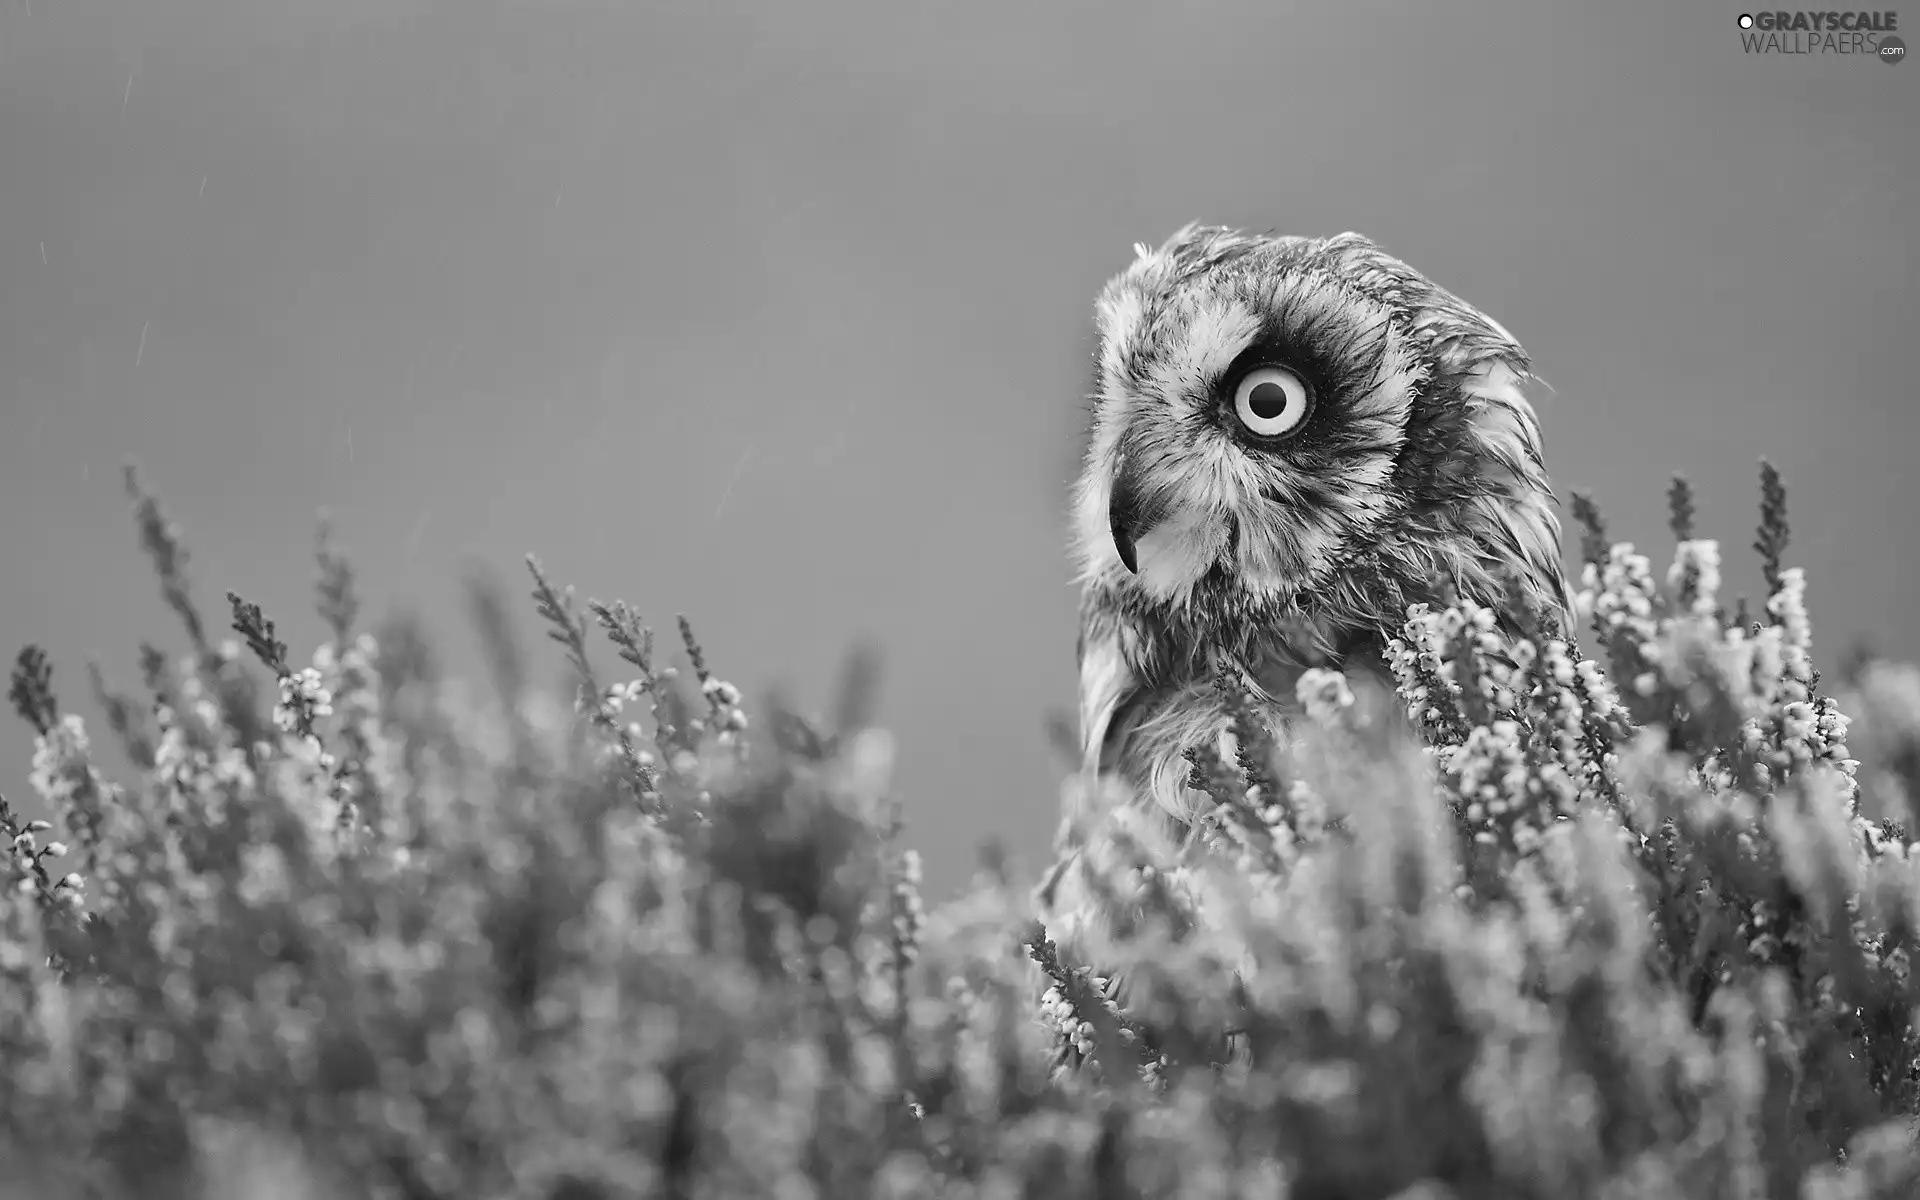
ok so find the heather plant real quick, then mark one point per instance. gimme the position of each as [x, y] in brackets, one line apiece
[1627, 918]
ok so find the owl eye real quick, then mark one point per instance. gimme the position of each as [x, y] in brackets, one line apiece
[1271, 401]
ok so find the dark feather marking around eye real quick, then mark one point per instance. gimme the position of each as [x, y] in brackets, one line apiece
[1304, 493]
[1341, 354]
[1345, 353]
[1437, 459]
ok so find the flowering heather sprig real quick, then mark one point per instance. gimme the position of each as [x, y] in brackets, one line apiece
[363, 774]
[634, 643]
[31, 690]
[1112, 877]
[304, 700]
[1594, 542]
[1770, 541]
[1604, 718]
[1264, 788]
[1795, 732]
[1494, 783]
[1139, 874]
[64, 776]
[161, 540]
[1537, 725]
[1621, 595]
[34, 861]
[337, 604]
[1510, 776]
[1499, 668]
[1324, 696]
[571, 632]
[1574, 760]
[894, 920]
[124, 718]
[908, 914]
[63, 772]
[1424, 680]
[1680, 510]
[1694, 578]
[723, 699]
[1766, 681]
[198, 762]
[1254, 829]
[350, 681]
[1081, 1010]
[728, 719]
[229, 690]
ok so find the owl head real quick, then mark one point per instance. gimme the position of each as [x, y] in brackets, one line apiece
[1269, 412]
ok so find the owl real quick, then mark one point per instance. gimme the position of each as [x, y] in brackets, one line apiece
[1292, 440]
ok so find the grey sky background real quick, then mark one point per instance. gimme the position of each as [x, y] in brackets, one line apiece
[778, 314]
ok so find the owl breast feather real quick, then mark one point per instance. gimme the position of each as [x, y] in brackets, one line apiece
[1178, 704]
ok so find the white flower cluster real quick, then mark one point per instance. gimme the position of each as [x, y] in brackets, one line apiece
[909, 914]
[1262, 865]
[32, 864]
[1768, 673]
[619, 695]
[1323, 694]
[1154, 1074]
[1564, 689]
[1785, 726]
[1619, 593]
[61, 764]
[195, 761]
[1500, 678]
[1492, 779]
[729, 720]
[1694, 577]
[1422, 674]
[1064, 1021]
[303, 697]
[893, 921]
[352, 676]
[1804, 729]
[1535, 746]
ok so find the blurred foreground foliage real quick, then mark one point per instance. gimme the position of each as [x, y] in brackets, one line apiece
[1629, 924]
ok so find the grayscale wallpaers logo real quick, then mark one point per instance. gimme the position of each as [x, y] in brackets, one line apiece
[1863, 35]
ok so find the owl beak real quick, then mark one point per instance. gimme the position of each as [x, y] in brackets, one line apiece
[1123, 543]
[1123, 519]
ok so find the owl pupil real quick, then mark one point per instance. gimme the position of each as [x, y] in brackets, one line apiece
[1267, 400]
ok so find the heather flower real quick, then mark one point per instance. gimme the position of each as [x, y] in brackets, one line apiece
[1882, 742]
[1620, 594]
[1424, 677]
[1324, 694]
[303, 699]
